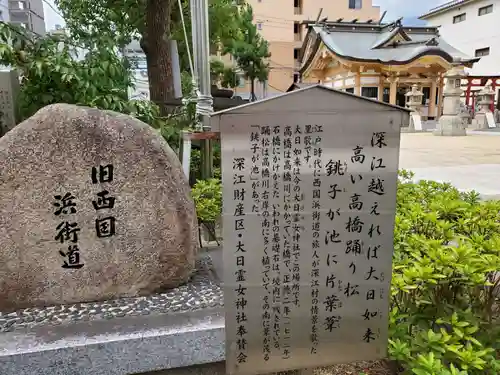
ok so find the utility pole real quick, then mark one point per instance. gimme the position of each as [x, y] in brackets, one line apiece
[201, 52]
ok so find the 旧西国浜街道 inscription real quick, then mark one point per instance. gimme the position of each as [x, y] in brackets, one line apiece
[104, 225]
[68, 230]
[308, 220]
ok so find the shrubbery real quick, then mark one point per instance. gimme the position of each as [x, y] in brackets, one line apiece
[207, 196]
[445, 306]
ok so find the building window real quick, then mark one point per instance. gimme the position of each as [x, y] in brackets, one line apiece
[350, 90]
[355, 4]
[459, 18]
[369, 92]
[427, 95]
[482, 52]
[485, 10]
[386, 95]
[259, 25]
[241, 81]
[296, 53]
[297, 5]
[297, 32]
[296, 77]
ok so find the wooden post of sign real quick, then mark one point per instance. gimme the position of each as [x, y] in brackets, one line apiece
[185, 147]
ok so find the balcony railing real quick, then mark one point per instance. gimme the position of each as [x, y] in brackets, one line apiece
[446, 5]
[17, 5]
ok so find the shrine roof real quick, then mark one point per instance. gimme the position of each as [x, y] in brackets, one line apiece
[390, 44]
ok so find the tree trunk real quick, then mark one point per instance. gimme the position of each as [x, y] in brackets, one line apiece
[252, 90]
[155, 44]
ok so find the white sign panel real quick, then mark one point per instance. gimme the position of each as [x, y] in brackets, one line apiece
[416, 120]
[490, 120]
[140, 91]
[309, 205]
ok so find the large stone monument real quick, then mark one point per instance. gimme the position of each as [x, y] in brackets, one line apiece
[93, 206]
[451, 122]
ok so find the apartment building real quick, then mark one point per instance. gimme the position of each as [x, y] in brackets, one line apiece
[4, 11]
[472, 27]
[281, 24]
[28, 14]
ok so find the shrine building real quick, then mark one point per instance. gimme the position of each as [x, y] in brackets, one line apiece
[380, 61]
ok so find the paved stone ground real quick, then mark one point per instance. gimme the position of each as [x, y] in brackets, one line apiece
[469, 163]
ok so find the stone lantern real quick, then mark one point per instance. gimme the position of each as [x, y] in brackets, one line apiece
[414, 98]
[414, 102]
[451, 122]
[485, 97]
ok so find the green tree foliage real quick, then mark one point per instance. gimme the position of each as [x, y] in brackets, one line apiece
[51, 73]
[250, 50]
[93, 20]
[225, 76]
[122, 21]
[148, 20]
[224, 27]
[445, 316]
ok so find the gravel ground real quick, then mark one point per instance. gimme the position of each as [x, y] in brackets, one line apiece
[358, 368]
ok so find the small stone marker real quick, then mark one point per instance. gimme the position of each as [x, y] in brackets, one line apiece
[93, 206]
[490, 120]
[309, 188]
[416, 121]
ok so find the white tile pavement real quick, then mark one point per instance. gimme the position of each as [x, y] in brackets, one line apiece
[468, 163]
[483, 178]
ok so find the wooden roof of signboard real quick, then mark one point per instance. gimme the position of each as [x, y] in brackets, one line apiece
[305, 89]
[297, 86]
[272, 105]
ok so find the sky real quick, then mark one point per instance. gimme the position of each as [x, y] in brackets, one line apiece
[395, 9]
[406, 8]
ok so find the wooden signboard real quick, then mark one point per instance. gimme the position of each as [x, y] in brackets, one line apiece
[309, 189]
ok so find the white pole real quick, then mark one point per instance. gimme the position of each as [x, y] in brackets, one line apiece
[201, 52]
[186, 154]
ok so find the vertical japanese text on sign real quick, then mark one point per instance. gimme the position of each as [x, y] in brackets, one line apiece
[308, 218]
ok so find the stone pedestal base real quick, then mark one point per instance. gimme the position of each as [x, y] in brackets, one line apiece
[481, 122]
[450, 126]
